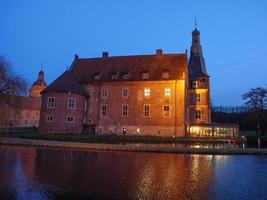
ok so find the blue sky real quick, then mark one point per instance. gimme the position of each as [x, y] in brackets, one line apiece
[233, 36]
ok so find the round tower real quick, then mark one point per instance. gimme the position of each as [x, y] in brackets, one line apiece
[38, 86]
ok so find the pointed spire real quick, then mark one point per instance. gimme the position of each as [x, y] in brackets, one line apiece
[195, 22]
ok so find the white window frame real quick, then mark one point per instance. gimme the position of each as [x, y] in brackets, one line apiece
[125, 76]
[198, 97]
[71, 105]
[104, 93]
[124, 113]
[51, 104]
[147, 92]
[106, 111]
[165, 111]
[167, 92]
[145, 75]
[49, 118]
[198, 114]
[165, 74]
[123, 92]
[70, 117]
[146, 111]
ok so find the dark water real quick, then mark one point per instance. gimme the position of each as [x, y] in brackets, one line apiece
[35, 173]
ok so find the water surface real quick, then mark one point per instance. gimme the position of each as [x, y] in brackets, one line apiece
[40, 173]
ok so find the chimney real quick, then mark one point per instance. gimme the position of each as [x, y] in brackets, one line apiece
[159, 52]
[104, 54]
[76, 57]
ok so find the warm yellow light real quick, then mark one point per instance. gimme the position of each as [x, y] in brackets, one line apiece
[146, 92]
[167, 92]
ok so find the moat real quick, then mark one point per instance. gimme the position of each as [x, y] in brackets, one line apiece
[45, 173]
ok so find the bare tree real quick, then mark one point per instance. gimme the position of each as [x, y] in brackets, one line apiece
[256, 99]
[11, 86]
[10, 83]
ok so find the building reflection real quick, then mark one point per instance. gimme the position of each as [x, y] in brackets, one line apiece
[60, 174]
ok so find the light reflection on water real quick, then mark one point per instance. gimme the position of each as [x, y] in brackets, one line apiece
[38, 173]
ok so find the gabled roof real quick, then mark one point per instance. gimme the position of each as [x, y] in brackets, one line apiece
[86, 69]
[66, 82]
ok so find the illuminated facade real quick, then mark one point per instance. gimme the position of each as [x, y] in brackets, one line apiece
[159, 94]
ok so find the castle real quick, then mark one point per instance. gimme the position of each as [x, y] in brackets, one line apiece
[159, 94]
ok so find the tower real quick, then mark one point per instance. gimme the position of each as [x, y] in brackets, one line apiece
[38, 85]
[199, 88]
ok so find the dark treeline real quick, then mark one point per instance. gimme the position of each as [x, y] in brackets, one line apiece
[237, 115]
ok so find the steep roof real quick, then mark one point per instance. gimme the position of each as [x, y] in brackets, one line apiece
[66, 82]
[86, 69]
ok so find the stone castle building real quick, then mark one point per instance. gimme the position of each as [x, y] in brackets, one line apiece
[159, 94]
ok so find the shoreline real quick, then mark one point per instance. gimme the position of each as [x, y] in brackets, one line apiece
[129, 147]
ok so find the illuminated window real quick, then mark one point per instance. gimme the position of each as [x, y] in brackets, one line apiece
[49, 118]
[125, 92]
[51, 102]
[145, 75]
[195, 84]
[166, 111]
[198, 114]
[147, 92]
[146, 110]
[104, 93]
[70, 119]
[167, 92]
[165, 74]
[71, 103]
[197, 97]
[124, 110]
[104, 110]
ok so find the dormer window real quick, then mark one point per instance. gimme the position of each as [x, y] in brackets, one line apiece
[97, 76]
[114, 75]
[125, 75]
[165, 74]
[145, 75]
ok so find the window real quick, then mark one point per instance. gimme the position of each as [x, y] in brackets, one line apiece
[71, 103]
[90, 110]
[147, 92]
[167, 92]
[198, 114]
[91, 91]
[125, 110]
[146, 110]
[104, 110]
[97, 76]
[49, 118]
[70, 119]
[165, 74]
[125, 76]
[197, 97]
[195, 84]
[51, 102]
[105, 93]
[125, 92]
[166, 111]
[145, 75]
[114, 75]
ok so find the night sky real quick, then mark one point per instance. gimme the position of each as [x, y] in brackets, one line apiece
[233, 36]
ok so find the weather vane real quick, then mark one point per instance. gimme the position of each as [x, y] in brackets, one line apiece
[195, 22]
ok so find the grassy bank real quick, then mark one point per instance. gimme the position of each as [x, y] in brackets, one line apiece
[111, 139]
